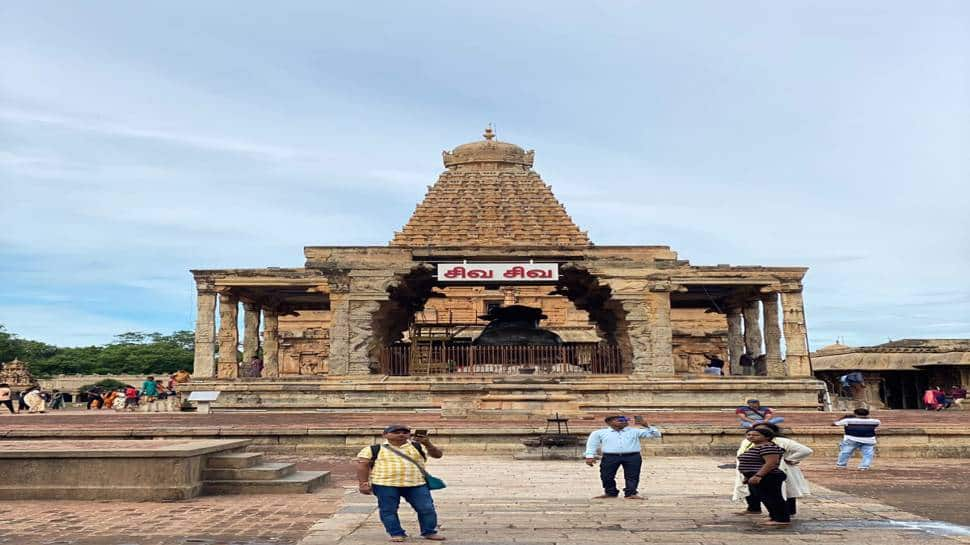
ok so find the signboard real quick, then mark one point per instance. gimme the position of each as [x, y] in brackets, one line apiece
[498, 272]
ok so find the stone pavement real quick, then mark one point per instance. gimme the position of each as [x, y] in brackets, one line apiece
[504, 502]
[207, 520]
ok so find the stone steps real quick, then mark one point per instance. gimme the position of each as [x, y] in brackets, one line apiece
[247, 473]
[262, 472]
[299, 482]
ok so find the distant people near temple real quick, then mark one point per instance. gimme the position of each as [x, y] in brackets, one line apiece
[149, 389]
[860, 434]
[131, 397]
[753, 413]
[95, 397]
[34, 400]
[56, 400]
[715, 365]
[108, 400]
[6, 397]
[119, 401]
[182, 376]
[853, 386]
[255, 367]
[934, 399]
[958, 394]
[746, 362]
[761, 365]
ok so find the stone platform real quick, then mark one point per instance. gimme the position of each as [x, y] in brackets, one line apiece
[903, 434]
[464, 396]
[80, 469]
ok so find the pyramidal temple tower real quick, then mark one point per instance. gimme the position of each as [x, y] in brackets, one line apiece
[490, 196]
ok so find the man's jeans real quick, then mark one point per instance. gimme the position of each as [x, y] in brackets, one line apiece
[630, 462]
[389, 499]
[772, 420]
[848, 446]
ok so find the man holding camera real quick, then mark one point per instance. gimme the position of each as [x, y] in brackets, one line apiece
[395, 469]
[620, 446]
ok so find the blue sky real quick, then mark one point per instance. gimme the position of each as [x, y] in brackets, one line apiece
[139, 140]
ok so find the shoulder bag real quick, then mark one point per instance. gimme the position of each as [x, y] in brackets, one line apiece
[434, 483]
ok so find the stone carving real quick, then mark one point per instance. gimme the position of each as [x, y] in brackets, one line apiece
[16, 374]
[772, 335]
[204, 365]
[250, 331]
[752, 327]
[228, 336]
[796, 343]
[734, 339]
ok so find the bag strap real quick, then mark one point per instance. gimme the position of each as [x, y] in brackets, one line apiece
[408, 458]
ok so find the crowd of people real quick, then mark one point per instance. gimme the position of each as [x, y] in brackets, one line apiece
[35, 400]
[32, 400]
[937, 399]
[767, 472]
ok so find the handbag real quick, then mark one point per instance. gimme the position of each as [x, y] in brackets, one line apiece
[434, 483]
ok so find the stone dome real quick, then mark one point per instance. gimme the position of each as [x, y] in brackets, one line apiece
[488, 154]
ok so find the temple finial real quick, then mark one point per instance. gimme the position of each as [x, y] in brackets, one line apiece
[489, 133]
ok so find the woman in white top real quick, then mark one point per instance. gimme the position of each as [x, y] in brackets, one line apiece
[796, 486]
[35, 402]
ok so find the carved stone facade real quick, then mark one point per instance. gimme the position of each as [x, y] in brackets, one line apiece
[337, 315]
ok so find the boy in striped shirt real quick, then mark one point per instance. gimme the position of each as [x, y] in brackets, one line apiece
[860, 434]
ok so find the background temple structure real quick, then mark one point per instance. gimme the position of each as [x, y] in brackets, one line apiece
[394, 326]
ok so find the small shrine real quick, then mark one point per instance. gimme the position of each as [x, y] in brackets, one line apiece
[16, 374]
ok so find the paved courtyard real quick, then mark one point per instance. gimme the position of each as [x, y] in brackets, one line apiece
[503, 502]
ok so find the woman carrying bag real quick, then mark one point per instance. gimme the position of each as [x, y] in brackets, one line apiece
[395, 469]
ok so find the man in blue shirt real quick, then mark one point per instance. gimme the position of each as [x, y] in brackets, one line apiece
[620, 446]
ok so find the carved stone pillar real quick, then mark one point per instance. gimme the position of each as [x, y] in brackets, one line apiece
[734, 339]
[772, 335]
[636, 344]
[752, 327]
[661, 332]
[338, 361]
[361, 339]
[271, 343]
[205, 334]
[796, 341]
[250, 331]
[228, 335]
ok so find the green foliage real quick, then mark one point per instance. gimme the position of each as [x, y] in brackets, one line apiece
[132, 353]
[106, 384]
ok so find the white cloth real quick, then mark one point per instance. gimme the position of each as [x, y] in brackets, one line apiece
[796, 485]
[35, 402]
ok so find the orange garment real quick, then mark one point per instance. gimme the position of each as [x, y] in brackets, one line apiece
[109, 399]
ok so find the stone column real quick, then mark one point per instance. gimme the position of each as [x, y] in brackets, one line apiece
[250, 331]
[752, 327]
[205, 334]
[734, 339]
[228, 335]
[772, 335]
[338, 362]
[796, 342]
[271, 343]
[661, 332]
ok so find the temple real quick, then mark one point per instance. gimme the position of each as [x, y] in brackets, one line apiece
[397, 326]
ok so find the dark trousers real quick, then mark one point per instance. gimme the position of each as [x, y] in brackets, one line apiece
[754, 504]
[631, 472]
[769, 492]
[9, 404]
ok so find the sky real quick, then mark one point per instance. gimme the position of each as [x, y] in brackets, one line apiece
[139, 140]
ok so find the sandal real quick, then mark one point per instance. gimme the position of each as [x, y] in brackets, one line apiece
[434, 537]
[398, 539]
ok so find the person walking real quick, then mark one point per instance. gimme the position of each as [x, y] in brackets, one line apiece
[395, 469]
[759, 465]
[796, 486]
[6, 397]
[620, 447]
[860, 434]
[149, 389]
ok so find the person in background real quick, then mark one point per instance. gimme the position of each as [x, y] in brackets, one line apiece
[6, 397]
[131, 397]
[109, 399]
[182, 376]
[620, 446]
[715, 365]
[57, 400]
[796, 486]
[958, 394]
[759, 466]
[860, 434]
[256, 367]
[149, 389]
[120, 401]
[753, 413]
[95, 398]
[35, 400]
[930, 401]
[746, 362]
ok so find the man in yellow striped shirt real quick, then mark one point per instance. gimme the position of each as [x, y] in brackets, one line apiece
[390, 477]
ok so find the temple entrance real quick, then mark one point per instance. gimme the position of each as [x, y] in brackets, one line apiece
[430, 326]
